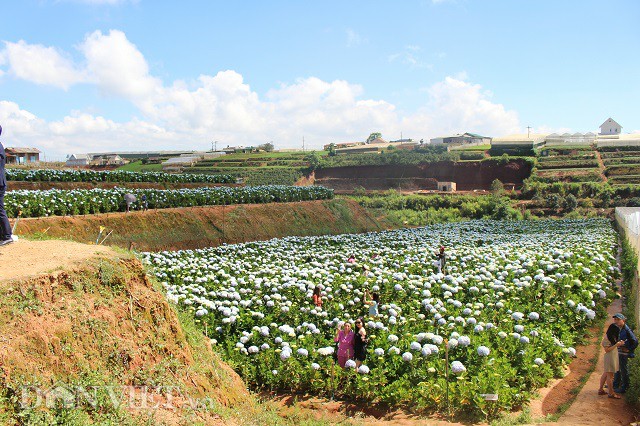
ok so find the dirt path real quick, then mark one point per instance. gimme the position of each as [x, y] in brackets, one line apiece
[589, 408]
[601, 166]
[24, 258]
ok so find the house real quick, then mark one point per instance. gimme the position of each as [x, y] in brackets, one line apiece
[19, 155]
[109, 160]
[342, 145]
[610, 127]
[78, 160]
[461, 139]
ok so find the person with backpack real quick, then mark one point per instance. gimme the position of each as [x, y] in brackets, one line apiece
[621, 378]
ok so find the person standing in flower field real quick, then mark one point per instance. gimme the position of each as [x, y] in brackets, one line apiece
[344, 338]
[441, 260]
[317, 297]
[621, 379]
[611, 344]
[360, 342]
[373, 303]
[5, 227]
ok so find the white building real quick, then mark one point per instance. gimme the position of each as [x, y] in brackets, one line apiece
[610, 127]
[78, 160]
[461, 139]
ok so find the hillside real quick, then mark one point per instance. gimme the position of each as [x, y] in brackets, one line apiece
[98, 322]
[196, 227]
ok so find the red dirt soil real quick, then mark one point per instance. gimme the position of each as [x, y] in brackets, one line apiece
[468, 175]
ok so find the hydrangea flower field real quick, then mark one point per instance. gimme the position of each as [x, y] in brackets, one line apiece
[56, 202]
[52, 175]
[502, 318]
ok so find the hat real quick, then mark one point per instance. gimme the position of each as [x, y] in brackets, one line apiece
[620, 316]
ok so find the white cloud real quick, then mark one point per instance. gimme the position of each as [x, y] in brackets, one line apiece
[456, 106]
[188, 115]
[409, 56]
[118, 67]
[353, 38]
[41, 65]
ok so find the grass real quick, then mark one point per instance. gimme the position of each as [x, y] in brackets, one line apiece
[137, 166]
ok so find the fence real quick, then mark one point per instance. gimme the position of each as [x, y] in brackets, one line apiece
[628, 219]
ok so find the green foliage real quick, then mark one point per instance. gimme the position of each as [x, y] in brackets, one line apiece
[497, 187]
[374, 136]
[52, 175]
[81, 201]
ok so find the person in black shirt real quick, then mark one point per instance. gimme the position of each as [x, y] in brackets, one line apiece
[5, 227]
[360, 343]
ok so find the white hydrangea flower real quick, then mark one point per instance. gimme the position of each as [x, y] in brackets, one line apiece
[457, 367]
[483, 351]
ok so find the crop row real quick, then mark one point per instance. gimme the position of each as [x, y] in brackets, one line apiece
[51, 175]
[55, 202]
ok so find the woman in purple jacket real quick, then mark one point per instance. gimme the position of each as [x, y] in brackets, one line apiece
[344, 338]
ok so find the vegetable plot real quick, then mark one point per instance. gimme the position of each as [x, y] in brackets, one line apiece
[56, 202]
[501, 319]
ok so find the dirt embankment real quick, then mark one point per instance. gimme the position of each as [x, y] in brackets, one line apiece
[468, 175]
[100, 327]
[197, 227]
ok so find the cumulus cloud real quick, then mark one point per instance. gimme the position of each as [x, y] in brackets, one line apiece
[456, 106]
[188, 114]
[41, 65]
[118, 67]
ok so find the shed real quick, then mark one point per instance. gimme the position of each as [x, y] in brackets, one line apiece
[447, 186]
[20, 155]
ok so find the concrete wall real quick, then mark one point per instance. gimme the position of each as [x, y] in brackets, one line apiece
[628, 219]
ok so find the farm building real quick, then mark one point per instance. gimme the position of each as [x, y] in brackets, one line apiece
[517, 144]
[570, 139]
[631, 139]
[610, 127]
[108, 160]
[176, 164]
[461, 139]
[78, 160]
[447, 186]
[19, 155]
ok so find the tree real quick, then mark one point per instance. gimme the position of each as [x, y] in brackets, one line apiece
[570, 203]
[374, 136]
[332, 149]
[497, 187]
[268, 147]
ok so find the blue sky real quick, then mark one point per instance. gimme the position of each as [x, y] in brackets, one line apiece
[93, 75]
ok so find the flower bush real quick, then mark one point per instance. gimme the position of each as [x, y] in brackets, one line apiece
[52, 175]
[55, 202]
[506, 313]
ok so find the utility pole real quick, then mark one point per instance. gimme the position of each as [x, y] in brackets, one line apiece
[303, 144]
[214, 144]
[528, 129]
